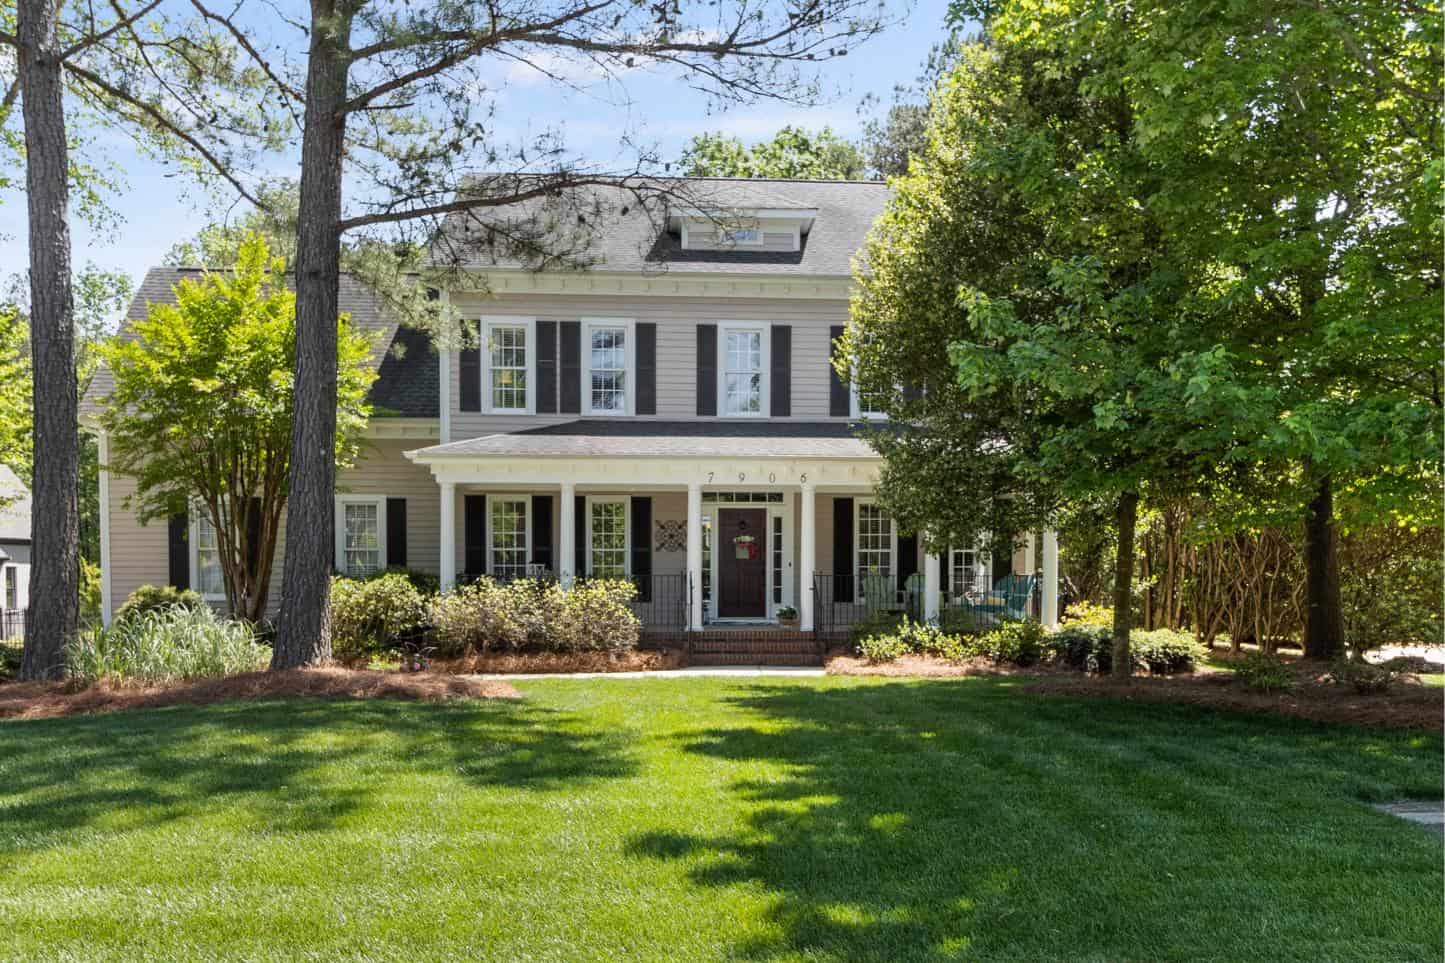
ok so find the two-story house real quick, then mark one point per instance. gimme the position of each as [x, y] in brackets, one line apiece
[670, 414]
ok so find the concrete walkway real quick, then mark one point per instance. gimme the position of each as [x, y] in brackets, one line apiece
[737, 671]
[1430, 815]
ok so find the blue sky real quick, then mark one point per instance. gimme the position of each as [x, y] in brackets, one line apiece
[155, 207]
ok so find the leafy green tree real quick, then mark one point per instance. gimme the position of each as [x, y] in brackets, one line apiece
[1296, 152]
[1018, 280]
[202, 408]
[792, 153]
[14, 391]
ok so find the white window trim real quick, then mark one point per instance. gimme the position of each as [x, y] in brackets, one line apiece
[765, 341]
[858, 504]
[488, 322]
[626, 503]
[856, 411]
[526, 500]
[193, 537]
[341, 502]
[629, 325]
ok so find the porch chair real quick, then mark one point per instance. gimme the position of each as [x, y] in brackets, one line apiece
[879, 596]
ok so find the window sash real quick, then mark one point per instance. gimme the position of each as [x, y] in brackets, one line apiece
[743, 374]
[361, 538]
[210, 580]
[507, 528]
[607, 347]
[607, 538]
[12, 590]
[967, 571]
[507, 366]
[875, 540]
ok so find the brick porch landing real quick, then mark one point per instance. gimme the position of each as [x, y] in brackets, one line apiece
[743, 645]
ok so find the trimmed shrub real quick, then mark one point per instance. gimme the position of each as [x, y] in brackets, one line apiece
[165, 645]
[1366, 677]
[1089, 613]
[157, 598]
[1021, 643]
[1267, 673]
[10, 652]
[1081, 645]
[537, 615]
[882, 648]
[1164, 651]
[909, 637]
[369, 615]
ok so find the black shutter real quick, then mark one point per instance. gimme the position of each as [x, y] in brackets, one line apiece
[646, 369]
[571, 368]
[178, 528]
[782, 371]
[253, 536]
[842, 549]
[579, 535]
[546, 367]
[474, 537]
[396, 533]
[1003, 565]
[469, 371]
[707, 369]
[642, 546]
[907, 558]
[840, 404]
[542, 531]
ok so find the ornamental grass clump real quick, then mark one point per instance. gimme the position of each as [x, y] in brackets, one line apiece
[165, 646]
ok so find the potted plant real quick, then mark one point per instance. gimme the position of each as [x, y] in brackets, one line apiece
[787, 617]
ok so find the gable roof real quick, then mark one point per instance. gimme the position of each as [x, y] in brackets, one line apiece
[407, 375]
[14, 507]
[630, 237]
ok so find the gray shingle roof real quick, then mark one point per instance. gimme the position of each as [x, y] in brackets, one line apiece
[627, 236]
[406, 384]
[14, 507]
[601, 438]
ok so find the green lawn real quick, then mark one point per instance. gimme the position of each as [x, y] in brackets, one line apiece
[705, 819]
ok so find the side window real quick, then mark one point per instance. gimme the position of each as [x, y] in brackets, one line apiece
[607, 537]
[743, 369]
[209, 580]
[609, 350]
[875, 540]
[508, 528]
[361, 535]
[507, 353]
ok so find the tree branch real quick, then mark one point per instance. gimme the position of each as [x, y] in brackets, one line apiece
[123, 23]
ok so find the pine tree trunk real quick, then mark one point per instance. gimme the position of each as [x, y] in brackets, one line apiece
[303, 635]
[1127, 513]
[1324, 622]
[55, 575]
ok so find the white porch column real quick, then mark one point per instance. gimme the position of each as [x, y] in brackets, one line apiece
[932, 587]
[1030, 564]
[449, 535]
[567, 536]
[694, 553]
[807, 561]
[1050, 605]
[103, 455]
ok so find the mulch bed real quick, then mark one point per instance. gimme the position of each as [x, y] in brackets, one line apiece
[921, 666]
[1405, 705]
[526, 663]
[40, 700]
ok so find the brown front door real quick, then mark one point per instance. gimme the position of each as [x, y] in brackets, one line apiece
[742, 567]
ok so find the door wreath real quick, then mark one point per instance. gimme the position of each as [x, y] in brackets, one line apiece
[745, 548]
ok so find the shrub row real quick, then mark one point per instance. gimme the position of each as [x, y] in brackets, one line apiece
[1091, 647]
[391, 610]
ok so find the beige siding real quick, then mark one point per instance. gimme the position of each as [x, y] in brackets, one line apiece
[381, 469]
[677, 320]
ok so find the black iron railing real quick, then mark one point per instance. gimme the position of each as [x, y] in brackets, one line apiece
[842, 603]
[662, 600]
[12, 623]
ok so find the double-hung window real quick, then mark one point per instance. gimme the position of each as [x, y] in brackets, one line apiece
[875, 540]
[360, 535]
[508, 353]
[967, 571]
[607, 537]
[12, 592]
[207, 576]
[508, 527]
[607, 385]
[743, 372]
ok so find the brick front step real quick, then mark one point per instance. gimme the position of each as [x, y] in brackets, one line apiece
[754, 658]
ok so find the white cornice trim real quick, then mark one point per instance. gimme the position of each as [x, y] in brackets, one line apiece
[666, 284]
[403, 428]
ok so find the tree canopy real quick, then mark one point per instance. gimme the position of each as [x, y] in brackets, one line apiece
[201, 411]
[792, 153]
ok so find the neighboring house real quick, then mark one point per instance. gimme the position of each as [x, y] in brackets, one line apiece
[670, 414]
[14, 553]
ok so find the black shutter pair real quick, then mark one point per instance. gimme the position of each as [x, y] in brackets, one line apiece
[559, 368]
[843, 538]
[780, 370]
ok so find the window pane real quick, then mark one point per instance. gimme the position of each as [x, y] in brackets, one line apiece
[777, 560]
[209, 580]
[743, 373]
[609, 539]
[875, 540]
[509, 367]
[608, 366]
[508, 531]
[362, 543]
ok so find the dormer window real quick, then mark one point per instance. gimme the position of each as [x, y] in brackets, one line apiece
[761, 229]
[742, 235]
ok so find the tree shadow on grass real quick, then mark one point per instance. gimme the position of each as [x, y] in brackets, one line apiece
[962, 820]
[294, 765]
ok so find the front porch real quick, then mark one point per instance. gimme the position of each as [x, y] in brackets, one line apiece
[721, 533]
